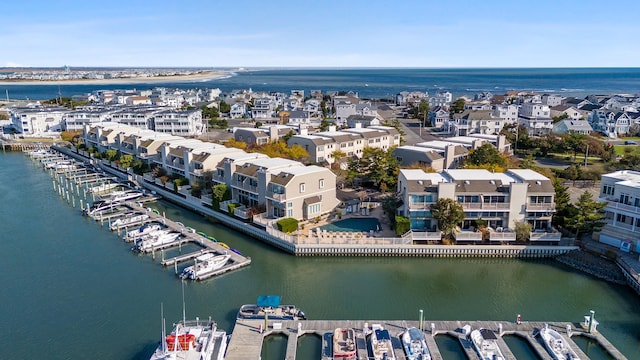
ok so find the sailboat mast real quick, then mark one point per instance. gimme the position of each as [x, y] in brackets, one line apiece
[164, 329]
[184, 317]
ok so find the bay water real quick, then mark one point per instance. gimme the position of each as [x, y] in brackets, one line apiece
[72, 290]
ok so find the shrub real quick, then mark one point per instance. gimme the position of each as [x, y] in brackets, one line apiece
[287, 225]
[401, 224]
[232, 207]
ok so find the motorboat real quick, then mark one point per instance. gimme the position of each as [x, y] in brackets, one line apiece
[103, 187]
[415, 344]
[381, 345]
[204, 265]
[143, 230]
[112, 200]
[148, 244]
[192, 339]
[486, 343]
[268, 306]
[128, 221]
[557, 345]
[344, 343]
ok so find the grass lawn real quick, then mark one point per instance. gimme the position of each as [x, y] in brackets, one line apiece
[619, 149]
[630, 138]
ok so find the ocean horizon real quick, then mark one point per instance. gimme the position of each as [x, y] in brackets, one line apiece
[381, 82]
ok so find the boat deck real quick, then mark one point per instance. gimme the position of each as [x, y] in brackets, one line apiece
[246, 339]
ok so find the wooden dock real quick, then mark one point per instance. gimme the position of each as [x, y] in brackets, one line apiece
[247, 338]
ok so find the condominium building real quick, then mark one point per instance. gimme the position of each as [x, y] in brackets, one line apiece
[621, 191]
[500, 199]
[38, 120]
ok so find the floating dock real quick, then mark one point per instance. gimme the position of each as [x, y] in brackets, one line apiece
[248, 336]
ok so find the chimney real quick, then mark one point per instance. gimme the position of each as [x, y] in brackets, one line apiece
[477, 143]
[449, 156]
[273, 133]
[304, 131]
[501, 143]
[332, 128]
[358, 125]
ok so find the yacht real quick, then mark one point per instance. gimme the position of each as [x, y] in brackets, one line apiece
[415, 344]
[148, 244]
[381, 345]
[344, 344]
[143, 230]
[204, 265]
[556, 344]
[128, 221]
[486, 344]
[103, 187]
[268, 306]
[193, 339]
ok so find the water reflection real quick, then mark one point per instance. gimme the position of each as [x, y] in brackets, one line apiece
[591, 348]
[520, 347]
[309, 347]
[450, 348]
[274, 347]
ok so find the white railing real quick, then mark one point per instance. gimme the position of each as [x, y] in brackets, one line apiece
[502, 236]
[243, 186]
[427, 235]
[545, 236]
[541, 206]
[468, 236]
[623, 207]
[485, 206]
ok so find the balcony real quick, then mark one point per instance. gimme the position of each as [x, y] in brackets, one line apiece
[469, 236]
[615, 206]
[541, 206]
[218, 178]
[420, 205]
[541, 235]
[276, 196]
[507, 235]
[485, 206]
[244, 186]
[426, 235]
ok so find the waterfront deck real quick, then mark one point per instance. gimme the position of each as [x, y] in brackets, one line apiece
[247, 338]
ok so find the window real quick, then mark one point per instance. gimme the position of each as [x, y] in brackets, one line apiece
[314, 208]
[302, 187]
[289, 205]
[321, 183]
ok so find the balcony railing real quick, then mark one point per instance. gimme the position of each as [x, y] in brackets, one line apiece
[427, 235]
[218, 178]
[276, 196]
[545, 236]
[420, 205]
[612, 205]
[502, 236]
[468, 236]
[485, 206]
[244, 186]
[541, 206]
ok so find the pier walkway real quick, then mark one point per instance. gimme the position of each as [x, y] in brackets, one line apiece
[247, 337]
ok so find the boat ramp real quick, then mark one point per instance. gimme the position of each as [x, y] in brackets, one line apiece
[248, 336]
[81, 184]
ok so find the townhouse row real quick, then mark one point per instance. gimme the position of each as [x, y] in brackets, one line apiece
[285, 187]
[40, 120]
[500, 199]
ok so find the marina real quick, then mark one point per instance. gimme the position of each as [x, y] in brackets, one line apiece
[248, 337]
[122, 209]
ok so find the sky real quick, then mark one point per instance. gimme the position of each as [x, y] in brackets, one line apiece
[347, 33]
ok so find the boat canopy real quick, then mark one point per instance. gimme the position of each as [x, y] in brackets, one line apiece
[268, 301]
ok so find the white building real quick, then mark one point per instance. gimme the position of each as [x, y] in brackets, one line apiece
[38, 120]
[621, 191]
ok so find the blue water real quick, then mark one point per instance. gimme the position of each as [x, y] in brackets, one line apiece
[384, 83]
[353, 225]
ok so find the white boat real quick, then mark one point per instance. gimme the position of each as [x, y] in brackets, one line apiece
[381, 345]
[415, 344]
[103, 187]
[128, 221]
[143, 230]
[556, 344]
[120, 196]
[486, 344]
[204, 265]
[192, 340]
[146, 245]
[344, 344]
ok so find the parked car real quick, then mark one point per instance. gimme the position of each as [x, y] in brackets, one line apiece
[630, 142]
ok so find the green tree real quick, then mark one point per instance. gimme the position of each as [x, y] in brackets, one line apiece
[486, 154]
[457, 106]
[562, 199]
[423, 112]
[523, 231]
[575, 142]
[224, 107]
[589, 216]
[323, 107]
[448, 213]
[220, 193]
[125, 161]
[401, 224]
[111, 155]
[377, 165]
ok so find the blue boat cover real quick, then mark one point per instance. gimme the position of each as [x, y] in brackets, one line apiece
[268, 301]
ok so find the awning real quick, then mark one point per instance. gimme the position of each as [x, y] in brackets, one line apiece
[268, 301]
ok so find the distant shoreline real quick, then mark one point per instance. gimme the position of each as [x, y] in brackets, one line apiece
[204, 75]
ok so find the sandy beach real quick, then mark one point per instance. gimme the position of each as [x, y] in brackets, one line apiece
[204, 75]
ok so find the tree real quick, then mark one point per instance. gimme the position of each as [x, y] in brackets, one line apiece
[402, 224]
[486, 154]
[377, 165]
[423, 112]
[220, 193]
[560, 117]
[448, 213]
[224, 107]
[111, 155]
[523, 231]
[562, 199]
[125, 161]
[589, 216]
[457, 106]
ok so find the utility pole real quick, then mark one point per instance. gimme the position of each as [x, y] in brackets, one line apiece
[586, 155]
